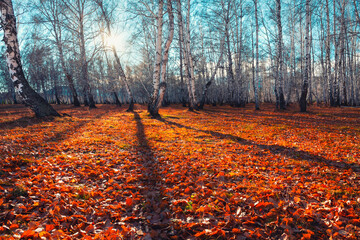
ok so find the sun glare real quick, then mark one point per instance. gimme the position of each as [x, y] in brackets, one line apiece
[117, 40]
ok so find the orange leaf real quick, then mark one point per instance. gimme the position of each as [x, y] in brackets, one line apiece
[217, 232]
[297, 199]
[227, 208]
[129, 202]
[199, 234]
[44, 234]
[14, 226]
[49, 227]
[306, 236]
[28, 234]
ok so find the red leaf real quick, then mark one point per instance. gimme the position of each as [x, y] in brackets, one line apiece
[49, 227]
[129, 202]
[28, 234]
[227, 208]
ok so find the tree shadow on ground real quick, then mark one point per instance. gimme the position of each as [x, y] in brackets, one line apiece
[290, 152]
[24, 122]
[46, 145]
[156, 209]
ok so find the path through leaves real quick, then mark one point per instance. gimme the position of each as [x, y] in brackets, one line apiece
[222, 173]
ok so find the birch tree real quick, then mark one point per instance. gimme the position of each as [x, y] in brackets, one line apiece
[305, 84]
[280, 56]
[161, 60]
[79, 13]
[256, 80]
[186, 53]
[33, 100]
[239, 14]
[328, 62]
[226, 9]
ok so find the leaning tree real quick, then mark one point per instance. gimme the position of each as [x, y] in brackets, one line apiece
[33, 100]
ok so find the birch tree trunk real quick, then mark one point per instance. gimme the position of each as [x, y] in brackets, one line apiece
[310, 79]
[256, 82]
[33, 100]
[343, 33]
[84, 61]
[322, 47]
[181, 58]
[165, 57]
[189, 55]
[280, 56]
[159, 83]
[336, 43]
[292, 55]
[230, 73]
[188, 76]
[240, 102]
[305, 85]
[328, 62]
[158, 56]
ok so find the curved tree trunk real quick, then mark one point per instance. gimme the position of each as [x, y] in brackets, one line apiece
[33, 100]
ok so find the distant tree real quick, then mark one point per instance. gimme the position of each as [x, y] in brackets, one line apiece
[79, 13]
[208, 84]
[52, 12]
[8, 23]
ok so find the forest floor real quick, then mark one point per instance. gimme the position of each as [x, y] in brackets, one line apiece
[220, 173]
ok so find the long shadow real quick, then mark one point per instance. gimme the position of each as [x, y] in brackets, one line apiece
[24, 122]
[275, 149]
[152, 191]
[59, 136]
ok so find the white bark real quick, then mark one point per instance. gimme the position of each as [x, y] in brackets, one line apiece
[188, 78]
[189, 55]
[168, 42]
[8, 23]
[158, 57]
[304, 90]
[257, 107]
